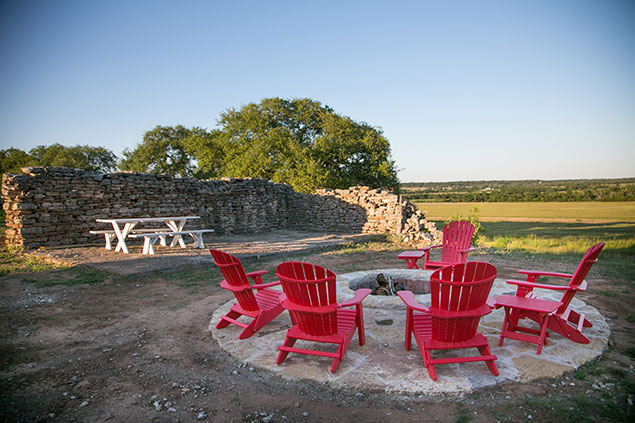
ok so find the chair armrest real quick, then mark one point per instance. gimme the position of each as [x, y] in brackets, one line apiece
[225, 285]
[409, 298]
[430, 247]
[467, 250]
[360, 294]
[256, 276]
[264, 285]
[532, 285]
[536, 273]
[491, 302]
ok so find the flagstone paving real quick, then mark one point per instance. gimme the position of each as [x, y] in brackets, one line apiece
[383, 364]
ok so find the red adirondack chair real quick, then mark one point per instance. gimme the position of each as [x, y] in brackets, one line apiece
[457, 237]
[459, 300]
[316, 315]
[564, 320]
[255, 301]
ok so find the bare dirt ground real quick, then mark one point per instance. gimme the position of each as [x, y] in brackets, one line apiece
[136, 348]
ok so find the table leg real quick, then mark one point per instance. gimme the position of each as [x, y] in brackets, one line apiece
[109, 238]
[198, 240]
[412, 263]
[148, 245]
[121, 236]
[176, 226]
[505, 323]
[543, 329]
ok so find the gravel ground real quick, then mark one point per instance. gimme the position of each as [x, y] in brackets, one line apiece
[136, 348]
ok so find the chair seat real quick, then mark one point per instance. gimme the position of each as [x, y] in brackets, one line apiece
[345, 320]
[422, 327]
[268, 298]
[345, 324]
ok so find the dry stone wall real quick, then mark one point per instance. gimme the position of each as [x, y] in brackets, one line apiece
[58, 206]
[355, 209]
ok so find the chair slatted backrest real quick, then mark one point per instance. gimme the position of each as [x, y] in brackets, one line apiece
[461, 287]
[310, 285]
[232, 270]
[589, 258]
[457, 235]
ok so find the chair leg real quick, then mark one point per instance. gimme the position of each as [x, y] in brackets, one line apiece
[560, 326]
[575, 317]
[431, 371]
[341, 351]
[427, 361]
[408, 343]
[361, 334]
[335, 365]
[249, 330]
[224, 323]
[282, 355]
[491, 364]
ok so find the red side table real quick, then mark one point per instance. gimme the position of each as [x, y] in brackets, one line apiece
[411, 258]
[540, 308]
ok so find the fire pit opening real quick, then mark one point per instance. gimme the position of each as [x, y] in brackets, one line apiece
[388, 283]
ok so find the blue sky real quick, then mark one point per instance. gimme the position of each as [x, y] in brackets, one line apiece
[463, 90]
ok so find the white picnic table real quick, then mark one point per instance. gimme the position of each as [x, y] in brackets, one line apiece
[174, 223]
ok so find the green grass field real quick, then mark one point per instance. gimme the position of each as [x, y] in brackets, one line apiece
[556, 228]
[565, 212]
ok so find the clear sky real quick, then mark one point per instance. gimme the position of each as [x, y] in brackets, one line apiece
[463, 90]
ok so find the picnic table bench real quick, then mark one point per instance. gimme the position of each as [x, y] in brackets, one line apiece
[109, 235]
[175, 229]
[149, 239]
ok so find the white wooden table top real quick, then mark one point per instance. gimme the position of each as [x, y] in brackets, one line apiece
[146, 219]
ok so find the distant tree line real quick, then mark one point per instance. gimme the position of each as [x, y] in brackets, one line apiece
[519, 191]
[93, 159]
[299, 142]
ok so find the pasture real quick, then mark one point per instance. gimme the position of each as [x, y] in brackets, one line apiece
[586, 211]
[552, 228]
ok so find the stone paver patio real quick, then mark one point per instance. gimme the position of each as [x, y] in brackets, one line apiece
[383, 364]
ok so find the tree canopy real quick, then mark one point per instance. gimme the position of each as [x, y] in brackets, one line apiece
[12, 160]
[93, 159]
[163, 150]
[299, 142]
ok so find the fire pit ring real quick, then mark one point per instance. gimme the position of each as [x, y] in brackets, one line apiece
[415, 280]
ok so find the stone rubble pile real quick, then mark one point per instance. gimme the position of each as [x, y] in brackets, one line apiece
[417, 230]
[53, 206]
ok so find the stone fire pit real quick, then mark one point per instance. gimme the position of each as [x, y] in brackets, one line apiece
[417, 281]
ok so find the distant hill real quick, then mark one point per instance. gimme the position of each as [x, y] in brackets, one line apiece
[516, 191]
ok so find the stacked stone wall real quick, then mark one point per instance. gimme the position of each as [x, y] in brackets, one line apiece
[58, 206]
[355, 209]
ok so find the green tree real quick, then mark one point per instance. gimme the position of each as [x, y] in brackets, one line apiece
[299, 142]
[12, 160]
[354, 153]
[92, 159]
[208, 151]
[305, 144]
[163, 150]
